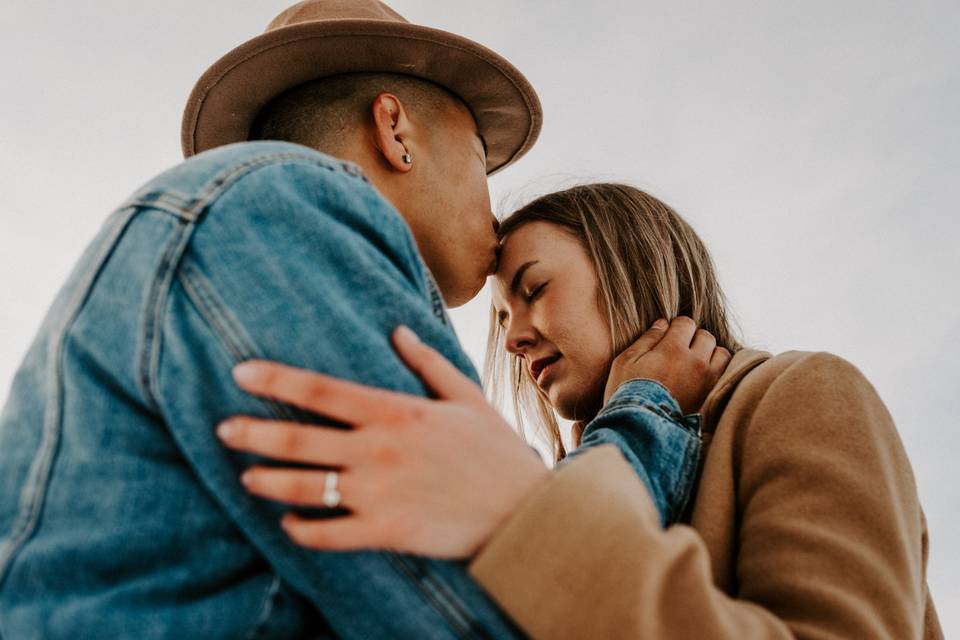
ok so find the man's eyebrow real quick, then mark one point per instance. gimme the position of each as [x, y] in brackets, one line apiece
[515, 283]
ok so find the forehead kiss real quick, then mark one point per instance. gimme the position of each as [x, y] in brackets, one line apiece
[532, 252]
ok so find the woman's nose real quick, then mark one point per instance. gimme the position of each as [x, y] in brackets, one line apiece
[520, 337]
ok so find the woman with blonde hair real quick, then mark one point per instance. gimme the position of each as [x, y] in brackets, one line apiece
[803, 521]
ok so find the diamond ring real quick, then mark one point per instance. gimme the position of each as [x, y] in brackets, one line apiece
[331, 495]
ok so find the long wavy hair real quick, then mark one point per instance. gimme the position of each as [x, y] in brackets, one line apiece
[649, 263]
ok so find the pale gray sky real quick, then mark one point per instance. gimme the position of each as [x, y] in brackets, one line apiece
[815, 146]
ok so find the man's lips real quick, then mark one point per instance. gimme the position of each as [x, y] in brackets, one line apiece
[539, 366]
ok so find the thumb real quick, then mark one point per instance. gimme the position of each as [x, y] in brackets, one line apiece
[650, 338]
[437, 373]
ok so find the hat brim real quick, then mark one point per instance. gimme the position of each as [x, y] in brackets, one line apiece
[227, 98]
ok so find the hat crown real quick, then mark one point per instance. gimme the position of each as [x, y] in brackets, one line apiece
[325, 10]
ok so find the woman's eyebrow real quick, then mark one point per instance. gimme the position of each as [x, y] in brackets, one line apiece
[515, 282]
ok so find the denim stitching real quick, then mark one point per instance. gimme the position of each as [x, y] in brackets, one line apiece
[224, 324]
[166, 270]
[643, 406]
[202, 294]
[266, 608]
[167, 199]
[443, 600]
[34, 492]
[220, 184]
[153, 314]
[189, 209]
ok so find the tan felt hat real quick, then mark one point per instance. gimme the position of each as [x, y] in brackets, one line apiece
[318, 38]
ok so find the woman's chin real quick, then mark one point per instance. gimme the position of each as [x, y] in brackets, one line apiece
[572, 406]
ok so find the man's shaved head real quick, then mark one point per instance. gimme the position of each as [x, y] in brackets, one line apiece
[325, 114]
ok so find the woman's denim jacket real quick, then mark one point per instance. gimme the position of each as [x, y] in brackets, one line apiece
[120, 513]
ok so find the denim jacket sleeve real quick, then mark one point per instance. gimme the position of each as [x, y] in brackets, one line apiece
[661, 444]
[306, 264]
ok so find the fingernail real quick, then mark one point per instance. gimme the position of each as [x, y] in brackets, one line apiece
[246, 372]
[226, 430]
[246, 478]
[406, 333]
[661, 324]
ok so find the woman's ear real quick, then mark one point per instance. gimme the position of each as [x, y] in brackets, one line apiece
[392, 132]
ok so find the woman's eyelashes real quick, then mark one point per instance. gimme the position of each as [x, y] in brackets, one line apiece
[532, 295]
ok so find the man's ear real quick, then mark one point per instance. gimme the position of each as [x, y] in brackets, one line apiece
[392, 132]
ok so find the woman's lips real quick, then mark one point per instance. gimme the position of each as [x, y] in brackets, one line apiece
[543, 368]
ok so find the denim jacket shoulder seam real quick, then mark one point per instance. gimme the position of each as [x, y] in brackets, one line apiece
[191, 208]
[233, 339]
[220, 184]
[154, 311]
[201, 293]
[170, 260]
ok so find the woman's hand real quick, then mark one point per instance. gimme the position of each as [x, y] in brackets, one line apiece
[684, 359]
[429, 477]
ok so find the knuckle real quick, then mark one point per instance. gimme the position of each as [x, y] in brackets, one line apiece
[674, 350]
[416, 414]
[288, 439]
[700, 366]
[316, 391]
[385, 453]
[301, 490]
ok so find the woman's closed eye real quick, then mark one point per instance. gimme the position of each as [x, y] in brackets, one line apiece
[533, 293]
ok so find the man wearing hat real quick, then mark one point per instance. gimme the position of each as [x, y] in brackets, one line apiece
[121, 515]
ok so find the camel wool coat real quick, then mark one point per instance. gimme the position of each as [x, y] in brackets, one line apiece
[805, 524]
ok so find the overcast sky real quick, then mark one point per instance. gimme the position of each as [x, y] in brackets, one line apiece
[815, 146]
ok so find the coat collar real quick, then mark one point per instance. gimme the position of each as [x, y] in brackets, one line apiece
[743, 362]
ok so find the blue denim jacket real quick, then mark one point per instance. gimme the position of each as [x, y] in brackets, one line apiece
[121, 515]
